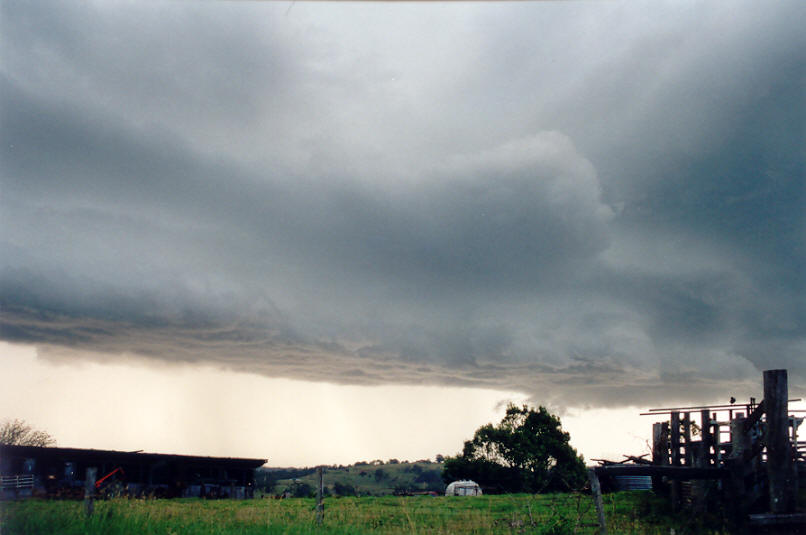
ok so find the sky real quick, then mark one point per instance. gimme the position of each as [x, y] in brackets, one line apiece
[341, 230]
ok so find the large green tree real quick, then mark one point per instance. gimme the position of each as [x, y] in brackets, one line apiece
[527, 452]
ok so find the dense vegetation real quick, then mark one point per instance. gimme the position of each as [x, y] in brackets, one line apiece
[527, 452]
[627, 513]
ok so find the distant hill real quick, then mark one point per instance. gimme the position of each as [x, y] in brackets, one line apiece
[360, 479]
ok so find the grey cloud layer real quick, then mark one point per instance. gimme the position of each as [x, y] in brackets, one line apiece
[588, 203]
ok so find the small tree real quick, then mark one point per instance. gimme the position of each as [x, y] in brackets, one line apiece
[18, 433]
[527, 452]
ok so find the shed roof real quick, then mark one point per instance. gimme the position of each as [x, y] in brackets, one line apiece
[80, 454]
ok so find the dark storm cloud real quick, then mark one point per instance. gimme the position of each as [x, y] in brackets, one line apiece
[594, 204]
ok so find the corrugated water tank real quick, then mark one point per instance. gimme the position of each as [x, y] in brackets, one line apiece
[633, 482]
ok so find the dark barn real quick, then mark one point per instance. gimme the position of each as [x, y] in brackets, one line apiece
[60, 472]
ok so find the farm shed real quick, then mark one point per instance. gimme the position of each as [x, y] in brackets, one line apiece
[60, 472]
[463, 488]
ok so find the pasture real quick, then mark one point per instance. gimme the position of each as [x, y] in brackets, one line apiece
[628, 513]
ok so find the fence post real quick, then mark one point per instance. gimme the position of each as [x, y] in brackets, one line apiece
[596, 491]
[780, 468]
[320, 506]
[89, 490]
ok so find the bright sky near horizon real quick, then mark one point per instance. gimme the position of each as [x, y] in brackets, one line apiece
[128, 406]
[354, 229]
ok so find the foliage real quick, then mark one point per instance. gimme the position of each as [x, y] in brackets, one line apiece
[415, 468]
[18, 433]
[431, 478]
[301, 489]
[527, 452]
[341, 488]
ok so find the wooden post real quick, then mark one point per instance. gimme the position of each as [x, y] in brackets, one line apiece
[687, 453]
[596, 492]
[740, 450]
[660, 452]
[740, 441]
[707, 440]
[717, 442]
[89, 490]
[320, 506]
[675, 438]
[699, 457]
[657, 451]
[780, 468]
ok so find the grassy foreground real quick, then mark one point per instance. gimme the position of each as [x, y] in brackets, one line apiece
[633, 513]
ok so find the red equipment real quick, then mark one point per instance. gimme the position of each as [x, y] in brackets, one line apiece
[107, 476]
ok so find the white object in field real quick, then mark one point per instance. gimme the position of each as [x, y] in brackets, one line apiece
[463, 488]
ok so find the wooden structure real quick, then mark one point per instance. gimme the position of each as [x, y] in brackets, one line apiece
[744, 458]
[58, 472]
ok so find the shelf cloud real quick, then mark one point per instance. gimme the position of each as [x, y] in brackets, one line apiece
[591, 204]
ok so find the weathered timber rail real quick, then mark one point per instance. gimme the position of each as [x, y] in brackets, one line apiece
[744, 458]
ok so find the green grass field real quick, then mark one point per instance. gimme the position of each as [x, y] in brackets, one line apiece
[633, 513]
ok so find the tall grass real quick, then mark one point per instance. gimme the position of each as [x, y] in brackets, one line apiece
[629, 513]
